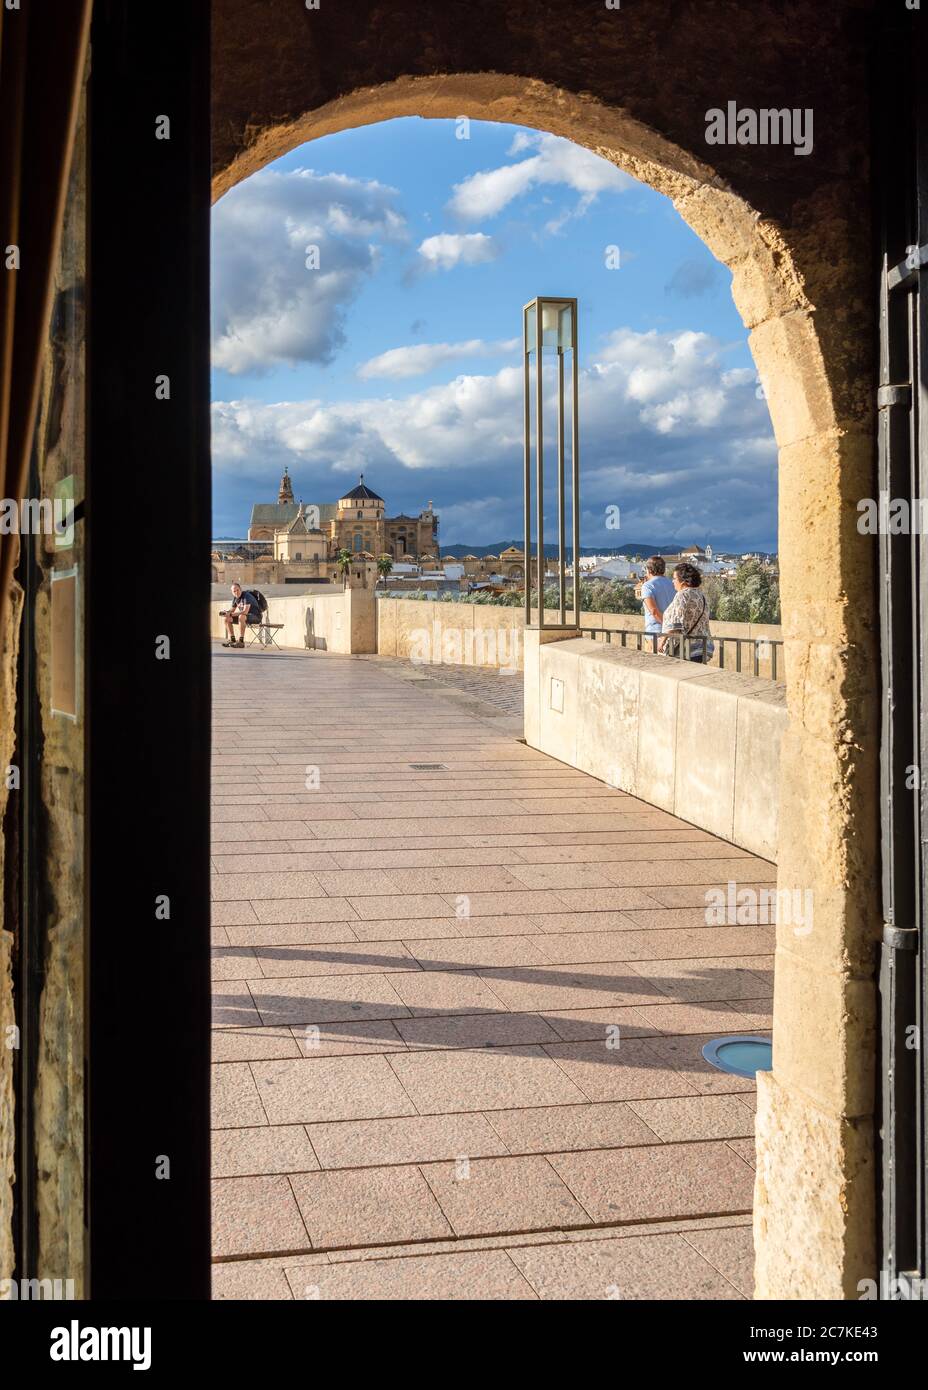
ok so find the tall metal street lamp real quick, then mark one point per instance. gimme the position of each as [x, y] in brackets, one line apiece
[549, 330]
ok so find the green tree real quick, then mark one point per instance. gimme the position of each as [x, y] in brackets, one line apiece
[343, 564]
[384, 566]
[752, 595]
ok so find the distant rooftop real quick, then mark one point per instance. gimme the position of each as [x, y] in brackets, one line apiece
[361, 493]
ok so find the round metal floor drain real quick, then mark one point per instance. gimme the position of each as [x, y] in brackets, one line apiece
[742, 1054]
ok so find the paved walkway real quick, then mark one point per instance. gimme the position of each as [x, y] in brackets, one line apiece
[459, 1010]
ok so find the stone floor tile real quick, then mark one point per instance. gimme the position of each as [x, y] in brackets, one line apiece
[333, 958]
[731, 1251]
[715, 977]
[596, 985]
[346, 883]
[311, 1089]
[326, 999]
[255, 885]
[695, 895]
[273, 911]
[745, 1149]
[576, 922]
[259, 829]
[291, 933]
[280, 861]
[445, 992]
[482, 1030]
[242, 1280]
[629, 1071]
[252, 1044]
[560, 1128]
[412, 1139]
[696, 1117]
[347, 1038]
[503, 1194]
[596, 1025]
[234, 1097]
[232, 963]
[604, 899]
[439, 1278]
[703, 942]
[233, 1006]
[476, 953]
[558, 876]
[574, 948]
[357, 1206]
[411, 906]
[715, 1016]
[519, 924]
[231, 914]
[270, 1149]
[454, 880]
[499, 1079]
[256, 1215]
[632, 1268]
[526, 902]
[755, 1015]
[684, 1053]
[646, 1184]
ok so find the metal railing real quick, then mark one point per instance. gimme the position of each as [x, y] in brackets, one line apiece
[750, 653]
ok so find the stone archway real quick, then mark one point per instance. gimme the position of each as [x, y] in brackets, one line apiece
[800, 281]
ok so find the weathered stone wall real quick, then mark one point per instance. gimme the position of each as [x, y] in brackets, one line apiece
[9, 653]
[794, 231]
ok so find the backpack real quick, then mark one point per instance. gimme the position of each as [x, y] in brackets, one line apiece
[259, 599]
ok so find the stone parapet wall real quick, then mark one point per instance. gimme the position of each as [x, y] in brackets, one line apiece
[489, 635]
[701, 744]
[340, 621]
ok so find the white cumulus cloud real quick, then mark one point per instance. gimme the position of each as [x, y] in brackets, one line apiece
[554, 161]
[419, 358]
[270, 307]
[448, 249]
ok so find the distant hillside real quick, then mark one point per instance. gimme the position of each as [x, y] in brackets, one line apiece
[633, 548]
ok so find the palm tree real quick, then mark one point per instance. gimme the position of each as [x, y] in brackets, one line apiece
[384, 566]
[343, 564]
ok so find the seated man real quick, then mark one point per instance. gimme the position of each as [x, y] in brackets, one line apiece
[245, 610]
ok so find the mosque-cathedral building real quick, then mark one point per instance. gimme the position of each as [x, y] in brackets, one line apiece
[301, 543]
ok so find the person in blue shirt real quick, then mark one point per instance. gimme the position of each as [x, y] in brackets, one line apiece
[657, 593]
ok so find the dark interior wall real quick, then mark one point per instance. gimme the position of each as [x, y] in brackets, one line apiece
[663, 62]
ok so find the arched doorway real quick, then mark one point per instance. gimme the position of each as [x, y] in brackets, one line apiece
[799, 282]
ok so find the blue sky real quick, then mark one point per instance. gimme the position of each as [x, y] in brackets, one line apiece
[395, 348]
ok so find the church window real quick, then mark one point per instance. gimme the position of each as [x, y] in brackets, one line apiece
[358, 541]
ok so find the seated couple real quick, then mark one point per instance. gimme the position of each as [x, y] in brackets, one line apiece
[676, 614]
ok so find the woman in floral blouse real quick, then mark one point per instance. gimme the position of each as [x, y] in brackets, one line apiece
[687, 616]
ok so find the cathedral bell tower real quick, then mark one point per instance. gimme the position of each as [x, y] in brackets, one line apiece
[286, 489]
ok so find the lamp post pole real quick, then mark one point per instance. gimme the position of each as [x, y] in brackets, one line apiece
[551, 323]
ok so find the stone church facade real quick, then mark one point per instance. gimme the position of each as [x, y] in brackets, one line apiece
[312, 535]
